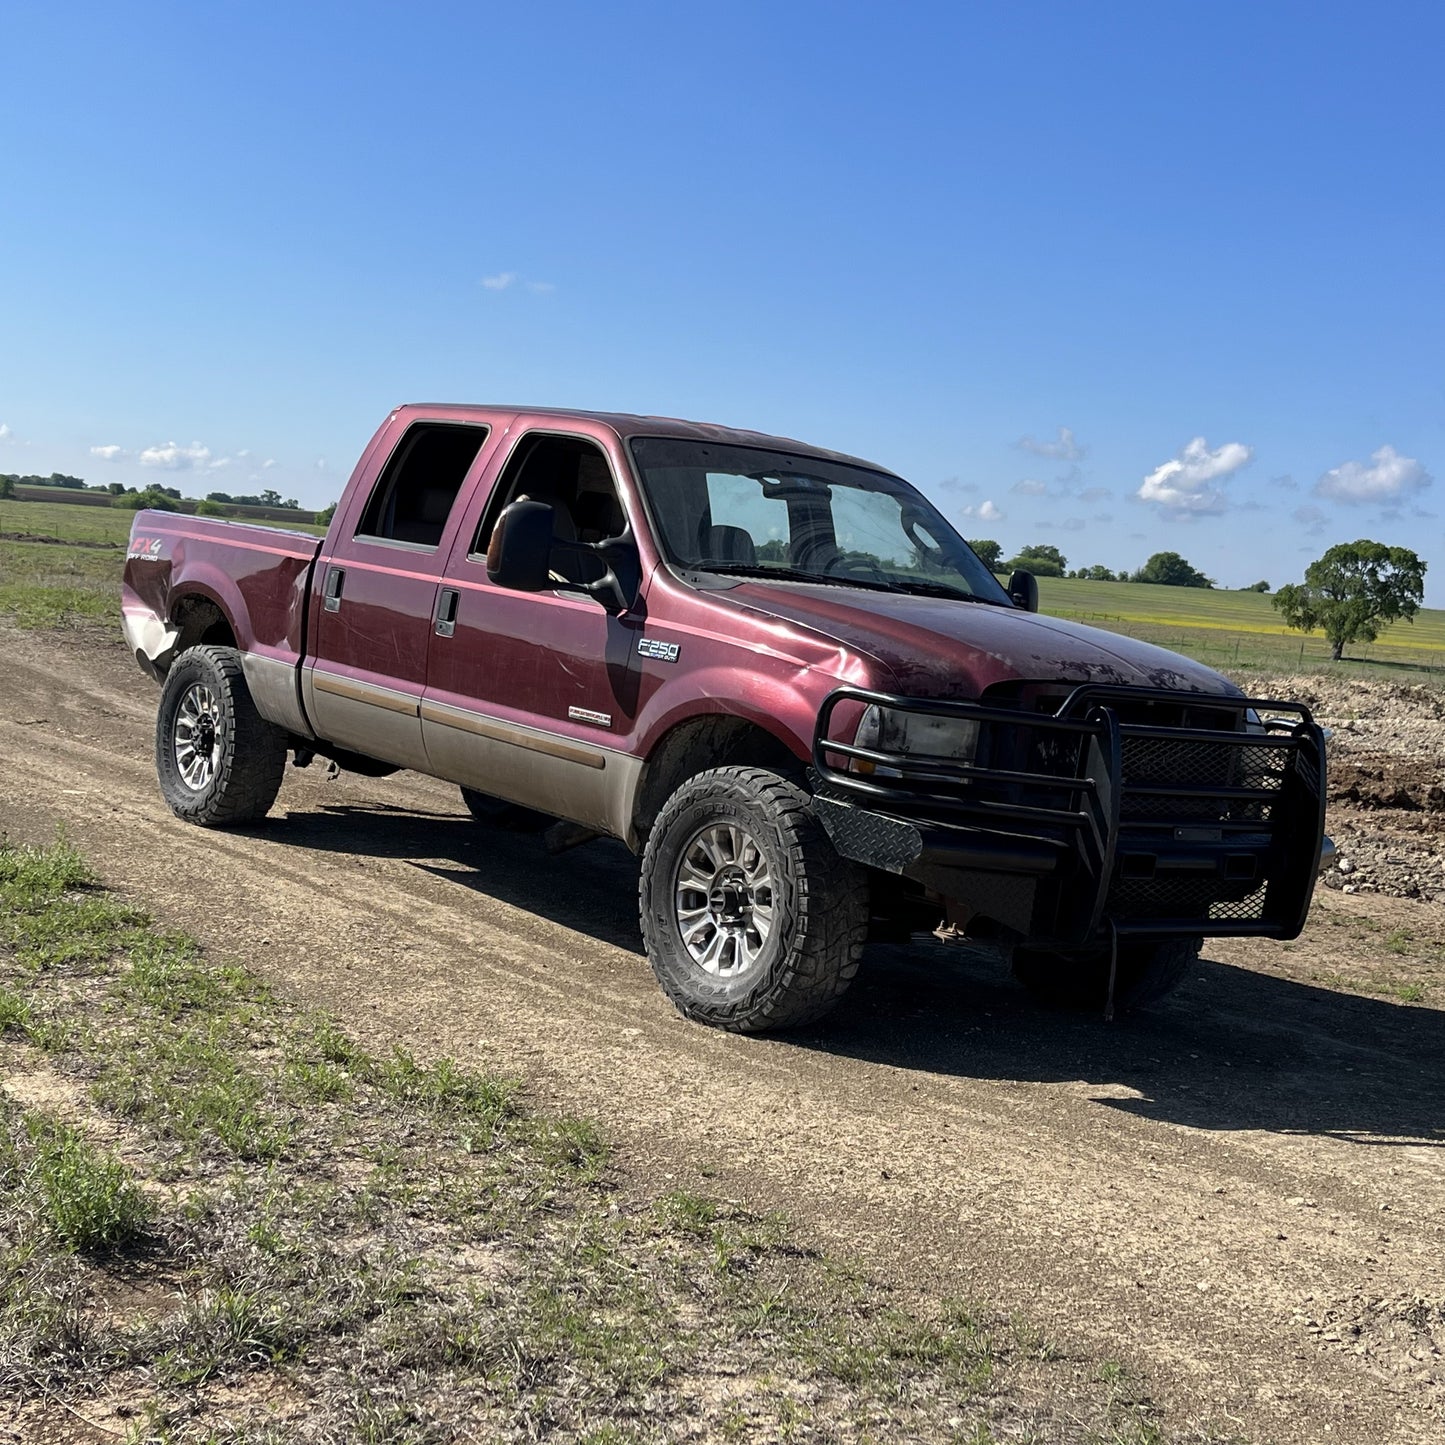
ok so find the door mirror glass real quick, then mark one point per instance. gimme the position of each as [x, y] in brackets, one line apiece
[520, 548]
[1023, 587]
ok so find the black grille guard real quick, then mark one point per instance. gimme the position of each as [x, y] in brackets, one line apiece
[1148, 828]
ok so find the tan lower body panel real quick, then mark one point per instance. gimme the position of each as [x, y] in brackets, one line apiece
[592, 786]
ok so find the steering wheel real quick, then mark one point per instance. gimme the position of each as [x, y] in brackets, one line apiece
[842, 565]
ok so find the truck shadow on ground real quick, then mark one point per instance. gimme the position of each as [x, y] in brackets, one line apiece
[1233, 1049]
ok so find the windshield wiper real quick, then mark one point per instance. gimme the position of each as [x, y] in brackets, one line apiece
[942, 589]
[791, 574]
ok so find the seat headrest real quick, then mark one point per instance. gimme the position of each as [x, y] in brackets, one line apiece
[729, 544]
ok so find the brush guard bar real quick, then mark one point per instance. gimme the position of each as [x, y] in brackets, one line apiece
[1066, 825]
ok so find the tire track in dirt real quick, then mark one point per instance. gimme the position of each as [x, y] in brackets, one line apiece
[1130, 1189]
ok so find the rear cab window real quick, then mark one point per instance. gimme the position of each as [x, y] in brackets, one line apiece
[414, 495]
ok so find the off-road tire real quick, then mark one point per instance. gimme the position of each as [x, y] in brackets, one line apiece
[250, 756]
[1147, 971]
[819, 903]
[496, 813]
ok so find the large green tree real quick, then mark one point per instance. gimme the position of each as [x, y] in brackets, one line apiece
[988, 551]
[1353, 591]
[1040, 559]
[1169, 569]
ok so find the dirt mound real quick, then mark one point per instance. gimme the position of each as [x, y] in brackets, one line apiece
[1386, 780]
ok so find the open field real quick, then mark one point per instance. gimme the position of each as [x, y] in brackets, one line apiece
[61, 564]
[1241, 630]
[1230, 1207]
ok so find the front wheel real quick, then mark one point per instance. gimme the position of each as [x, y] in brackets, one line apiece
[1147, 970]
[751, 919]
[218, 760]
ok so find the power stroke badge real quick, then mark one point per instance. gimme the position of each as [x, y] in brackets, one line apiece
[662, 651]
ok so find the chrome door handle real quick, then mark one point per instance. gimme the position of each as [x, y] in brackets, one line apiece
[331, 594]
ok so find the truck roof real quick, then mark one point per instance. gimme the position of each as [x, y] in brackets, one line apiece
[628, 424]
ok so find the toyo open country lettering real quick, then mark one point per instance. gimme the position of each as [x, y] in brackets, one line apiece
[775, 672]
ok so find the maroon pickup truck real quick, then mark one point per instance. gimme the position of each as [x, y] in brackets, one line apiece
[775, 672]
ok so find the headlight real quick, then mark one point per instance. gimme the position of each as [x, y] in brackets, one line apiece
[914, 734]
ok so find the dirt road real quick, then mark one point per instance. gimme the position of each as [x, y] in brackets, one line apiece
[1241, 1195]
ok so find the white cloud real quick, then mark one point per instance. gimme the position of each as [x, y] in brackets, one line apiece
[320, 464]
[175, 458]
[542, 288]
[500, 281]
[5, 432]
[1387, 476]
[1064, 447]
[1183, 485]
[268, 464]
[1029, 488]
[985, 512]
[108, 453]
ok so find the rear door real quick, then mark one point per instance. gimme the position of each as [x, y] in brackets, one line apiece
[532, 697]
[378, 591]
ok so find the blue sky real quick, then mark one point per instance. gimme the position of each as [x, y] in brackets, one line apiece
[1121, 277]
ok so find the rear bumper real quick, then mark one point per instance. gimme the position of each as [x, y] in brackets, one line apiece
[1073, 823]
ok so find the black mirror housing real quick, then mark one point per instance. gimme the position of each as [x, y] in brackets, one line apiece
[520, 551]
[1023, 587]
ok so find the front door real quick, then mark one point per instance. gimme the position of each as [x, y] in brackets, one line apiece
[531, 697]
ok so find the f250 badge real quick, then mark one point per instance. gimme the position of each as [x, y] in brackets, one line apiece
[662, 651]
[145, 549]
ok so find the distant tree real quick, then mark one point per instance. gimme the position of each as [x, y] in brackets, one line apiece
[988, 553]
[208, 508]
[1257, 587]
[1098, 573]
[59, 479]
[116, 488]
[1353, 591]
[154, 497]
[7, 488]
[270, 498]
[292, 503]
[219, 497]
[1169, 569]
[173, 492]
[1041, 560]
[325, 515]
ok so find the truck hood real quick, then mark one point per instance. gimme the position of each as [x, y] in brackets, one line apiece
[939, 648]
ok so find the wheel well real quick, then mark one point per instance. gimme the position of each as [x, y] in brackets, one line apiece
[715, 741]
[200, 620]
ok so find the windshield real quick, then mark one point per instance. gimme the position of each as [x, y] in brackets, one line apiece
[742, 511]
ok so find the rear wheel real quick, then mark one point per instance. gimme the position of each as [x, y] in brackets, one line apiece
[218, 760]
[1147, 971]
[751, 919]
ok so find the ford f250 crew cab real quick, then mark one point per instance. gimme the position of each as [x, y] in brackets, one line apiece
[775, 672]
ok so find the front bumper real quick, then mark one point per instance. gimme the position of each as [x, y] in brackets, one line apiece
[1095, 816]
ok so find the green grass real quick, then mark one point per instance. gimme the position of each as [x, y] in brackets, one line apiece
[356, 1245]
[1242, 630]
[76, 579]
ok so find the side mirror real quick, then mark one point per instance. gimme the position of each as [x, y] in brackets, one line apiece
[1023, 587]
[521, 548]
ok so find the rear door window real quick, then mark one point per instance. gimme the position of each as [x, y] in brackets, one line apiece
[414, 495]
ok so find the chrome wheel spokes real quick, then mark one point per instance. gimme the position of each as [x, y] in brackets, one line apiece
[723, 899]
[197, 736]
